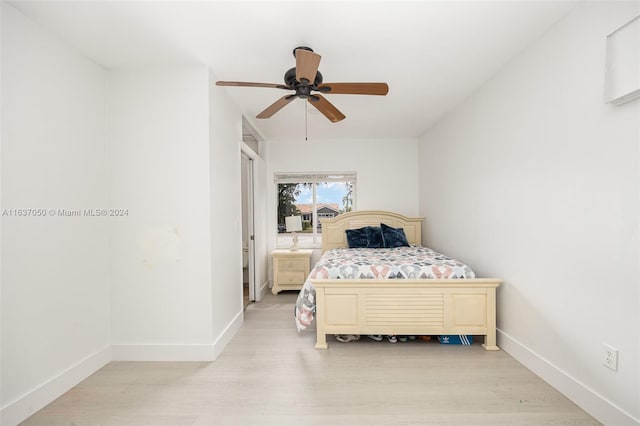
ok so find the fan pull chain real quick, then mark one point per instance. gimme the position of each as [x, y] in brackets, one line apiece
[306, 105]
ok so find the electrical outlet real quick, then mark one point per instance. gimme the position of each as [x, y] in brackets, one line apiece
[609, 357]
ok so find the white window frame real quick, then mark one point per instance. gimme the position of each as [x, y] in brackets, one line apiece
[313, 178]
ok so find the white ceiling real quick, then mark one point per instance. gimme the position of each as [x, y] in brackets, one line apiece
[433, 54]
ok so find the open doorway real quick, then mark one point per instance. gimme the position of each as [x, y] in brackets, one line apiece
[250, 154]
[248, 238]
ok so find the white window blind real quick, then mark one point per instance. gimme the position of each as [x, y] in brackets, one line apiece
[315, 177]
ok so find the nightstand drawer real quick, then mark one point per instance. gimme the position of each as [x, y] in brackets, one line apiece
[291, 265]
[290, 278]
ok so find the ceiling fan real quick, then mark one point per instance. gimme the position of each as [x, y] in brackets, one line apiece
[305, 78]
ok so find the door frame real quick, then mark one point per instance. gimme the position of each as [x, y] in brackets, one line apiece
[249, 154]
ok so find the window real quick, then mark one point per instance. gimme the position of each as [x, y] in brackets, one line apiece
[313, 196]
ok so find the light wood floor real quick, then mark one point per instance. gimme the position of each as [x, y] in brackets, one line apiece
[271, 375]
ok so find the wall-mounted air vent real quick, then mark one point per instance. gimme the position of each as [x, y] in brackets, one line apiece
[623, 63]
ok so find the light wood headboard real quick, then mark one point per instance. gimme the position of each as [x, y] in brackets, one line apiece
[333, 235]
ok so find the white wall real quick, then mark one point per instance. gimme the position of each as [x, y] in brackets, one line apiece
[78, 292]
[226, 214]
[55, 294]
[387, 171]
[160, 252]
[536, 180]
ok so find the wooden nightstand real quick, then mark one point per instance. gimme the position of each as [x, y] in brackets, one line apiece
[290, 269]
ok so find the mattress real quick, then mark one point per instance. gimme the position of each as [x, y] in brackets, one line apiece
[415, 262]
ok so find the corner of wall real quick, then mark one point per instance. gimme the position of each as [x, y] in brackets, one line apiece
[583, 396]
[26, 405]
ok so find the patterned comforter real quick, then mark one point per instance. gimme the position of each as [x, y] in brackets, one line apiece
[415, 262]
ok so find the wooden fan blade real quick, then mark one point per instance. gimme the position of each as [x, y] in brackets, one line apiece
[246, 84]
[307, 64]
[276, 106]
[326, 108]
[354, 88]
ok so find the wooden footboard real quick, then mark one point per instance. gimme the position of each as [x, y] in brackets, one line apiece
[409, 307]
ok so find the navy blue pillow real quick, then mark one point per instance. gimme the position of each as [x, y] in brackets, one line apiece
[357, 238]
[365, 237]
[393, 237]
[374, 237]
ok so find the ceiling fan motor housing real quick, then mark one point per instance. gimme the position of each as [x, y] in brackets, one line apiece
[302, 90]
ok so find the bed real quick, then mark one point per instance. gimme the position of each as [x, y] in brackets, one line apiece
[414, 304]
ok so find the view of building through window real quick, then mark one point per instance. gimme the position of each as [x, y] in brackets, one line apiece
[313, 200]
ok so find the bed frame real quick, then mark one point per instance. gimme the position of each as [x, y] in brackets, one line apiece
[410, 307]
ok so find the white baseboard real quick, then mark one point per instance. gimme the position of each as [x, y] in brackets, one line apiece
[178, 352]
[599, 407]
[26, 405]
[227, 334]
[264, 288]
